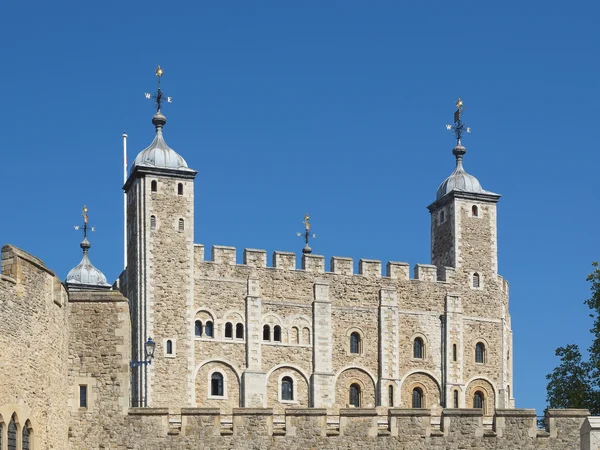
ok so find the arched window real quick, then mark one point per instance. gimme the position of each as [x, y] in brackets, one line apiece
[12, 434]
[478, 400]
[266, 333]
[229, 330]
[355, 395]
[208, 329]
[277, 333]
[480, 353]
[475, 280]
[295, 335]
[169, 347]
[287, 388]
[355, 342]
[153, 223]
[417, 398]
[216, 384]
[475, 211]
[181, 225]
[180, 189]
[456, 399]
[306, 336]
[198, 328]
[154, 186]
[454, 353]
[239, 331]
[25, 441]
[418, 348]
[391, 395]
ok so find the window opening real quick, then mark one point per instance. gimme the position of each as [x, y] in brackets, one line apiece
[83, 396]
[216, 384]
[417, 398]
[181, 225]
[198, 328]
[355, 395]
[169, 347]
[478, 400]
[12, 434]
[180, 189]
[306, 336]
[239, 331]
[154, 186]
[208, 329]
[475, 280]
[391, 395]
[266, 333]
[25, 445]
[229, 330]
[480, 353]
[442, 216]
[295, 335]
[287, 388]
[277, 333]
[454, 353]
[418, 348]
[355, 343]
[475, 211]
[456, 399]
[153, 223]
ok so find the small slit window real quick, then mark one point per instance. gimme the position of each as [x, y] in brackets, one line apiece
[390, 395]
[198, 328]
[418, 348]
[287, 389]
[180, 189]
[169, 347]
[442, 216]
[83, 396]
[355, 343]
[480, 353]
[153, 223]
[476, 280]
[454, 353]
[216, 384]
[154, 186]
[355, 395]
[277, 333]
[239, 331]
[417, 398]
[181, 225]
[478, 400]
[475, 211]
[229, 330]
[266, 333]
[456, 399]
[208, 329]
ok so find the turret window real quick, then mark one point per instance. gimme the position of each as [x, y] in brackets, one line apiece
[418, 348]
[169, 347]
[198, 328]
[208, 329]
[154, 186]
[475, 211]
[476, 280]
[390, 395]
[180, 189]
[480, 353]
[229, 330]
[277, 333]
[181, 225]
[266, 333]
[355, 343]
[454, 353]
[153, 223]
[239, 331]
[442, 216]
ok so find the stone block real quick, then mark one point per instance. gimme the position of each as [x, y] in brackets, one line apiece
[342, 266]
[313, 263]
[398, 270]
[255, 258]
[369, 268]
[223, 255]
[284, 260]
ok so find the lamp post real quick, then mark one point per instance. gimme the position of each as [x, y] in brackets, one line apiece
[149, 347]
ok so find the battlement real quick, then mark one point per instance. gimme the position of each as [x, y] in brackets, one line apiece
[339, 265]
[374, 427]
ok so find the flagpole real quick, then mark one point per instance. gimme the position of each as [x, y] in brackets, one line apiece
[124, 201]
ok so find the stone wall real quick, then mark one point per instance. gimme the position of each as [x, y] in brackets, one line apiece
[33, 360]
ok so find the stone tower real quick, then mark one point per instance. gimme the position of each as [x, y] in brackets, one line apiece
[160, 282]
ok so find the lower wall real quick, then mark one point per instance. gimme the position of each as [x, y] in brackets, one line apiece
[154, 428]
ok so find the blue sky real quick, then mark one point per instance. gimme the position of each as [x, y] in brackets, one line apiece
[335, 108]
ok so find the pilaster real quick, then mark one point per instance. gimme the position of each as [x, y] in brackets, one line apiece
[254, 393]
[322, 377]
[454, 336]
[388, 343]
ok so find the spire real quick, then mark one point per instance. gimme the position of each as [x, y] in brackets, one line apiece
[84, 275]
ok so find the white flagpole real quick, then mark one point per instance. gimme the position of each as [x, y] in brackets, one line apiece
[124, 201]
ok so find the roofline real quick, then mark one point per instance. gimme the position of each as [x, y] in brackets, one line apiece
[139, 171]
[488, 197]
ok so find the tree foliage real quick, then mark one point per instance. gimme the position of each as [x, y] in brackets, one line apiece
[575, 383]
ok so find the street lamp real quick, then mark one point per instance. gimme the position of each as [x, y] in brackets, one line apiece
[149, 347]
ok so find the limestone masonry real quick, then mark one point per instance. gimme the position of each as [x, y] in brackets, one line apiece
[267, 352]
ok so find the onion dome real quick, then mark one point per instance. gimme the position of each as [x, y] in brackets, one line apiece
[460, 180]
[158, 153]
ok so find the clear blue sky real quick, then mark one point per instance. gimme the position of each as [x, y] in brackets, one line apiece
[335, 108]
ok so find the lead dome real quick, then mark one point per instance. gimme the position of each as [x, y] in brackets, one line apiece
[85, 275]
[460, 180]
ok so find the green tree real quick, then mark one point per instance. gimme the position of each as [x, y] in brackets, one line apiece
[575, 383]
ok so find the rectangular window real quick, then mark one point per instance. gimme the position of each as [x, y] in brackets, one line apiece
[83, 396]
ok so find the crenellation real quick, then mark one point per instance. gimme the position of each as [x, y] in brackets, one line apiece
[398, 271]
[284, 260]
[198, 252]
[341, 265]
[313, 263]
[255, 258]
[223, 255]
[369, 268]
[447, 274]
[425, 272]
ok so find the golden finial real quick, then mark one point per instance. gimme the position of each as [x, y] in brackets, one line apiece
[84, 214]
[307, 222]
[307, 234]
[159, 71]
[459, 102]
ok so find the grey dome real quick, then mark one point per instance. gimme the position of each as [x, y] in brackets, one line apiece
[460, 180]
[158, 153]
[84, 274]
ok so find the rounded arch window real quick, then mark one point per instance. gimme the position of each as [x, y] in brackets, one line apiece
[475, 211]
[476, 280]
[154, 186]
[266, 333]
[277, 333]
[417, 398]
[287, 389]
[208, 329]
[153, 223]
[355, 395]
[355, 342]
[239, 331]
[169, 347]
[198, 328]
[229, 330]
[418, 348]
[216, 384]
[478, 400]
[181, 225]
[480, 353]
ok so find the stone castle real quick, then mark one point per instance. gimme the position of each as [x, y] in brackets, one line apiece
[183, 351]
